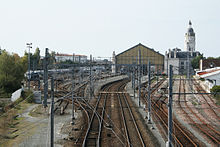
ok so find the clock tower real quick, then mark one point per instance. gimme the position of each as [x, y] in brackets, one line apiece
[190, 41]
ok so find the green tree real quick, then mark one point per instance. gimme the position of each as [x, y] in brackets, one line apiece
[195, 61]
[36, 57]
[11, 72]
[52, 59]
[210, 58]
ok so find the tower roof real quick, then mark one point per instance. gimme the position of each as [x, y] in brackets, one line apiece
[190, 23]
[190, 30]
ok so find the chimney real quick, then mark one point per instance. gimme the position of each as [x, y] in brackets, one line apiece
[200, 64]
[169, 53]
[175, 52]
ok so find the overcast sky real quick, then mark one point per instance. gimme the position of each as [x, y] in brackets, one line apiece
[99, 27]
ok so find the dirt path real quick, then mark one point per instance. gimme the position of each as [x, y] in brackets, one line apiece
[35, 131]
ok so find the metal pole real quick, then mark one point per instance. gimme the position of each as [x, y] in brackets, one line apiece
[167, 65]
[139, 78]
[45, 78]
[134, 78]
[149, 93]
[157, 74]
[29, 64]
[132, 82]
[90, 78]
[52, 113]
[73, 116]
[170, 100]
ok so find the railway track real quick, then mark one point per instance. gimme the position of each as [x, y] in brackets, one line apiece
[201, 125]
[181, 137]
[107, 128]
[131, 129]
[93, 133]
[208, 102]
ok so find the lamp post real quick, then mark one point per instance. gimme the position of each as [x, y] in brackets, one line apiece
[29, 46]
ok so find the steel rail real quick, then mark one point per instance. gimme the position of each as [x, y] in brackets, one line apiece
[135, 124]
[95, 112]
[174, 123]
[199, 88]
[204, 123]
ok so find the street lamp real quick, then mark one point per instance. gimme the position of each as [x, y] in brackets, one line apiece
[29, 46]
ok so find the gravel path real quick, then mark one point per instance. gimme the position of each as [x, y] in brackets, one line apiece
[37, 133]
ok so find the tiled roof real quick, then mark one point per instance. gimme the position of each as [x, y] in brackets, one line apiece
[210, 63]
[208, 72]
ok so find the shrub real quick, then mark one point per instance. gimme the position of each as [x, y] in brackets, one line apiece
[216, 90]
[202, 79]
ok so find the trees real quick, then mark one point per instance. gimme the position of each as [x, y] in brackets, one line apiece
[36, 58]
[195, 61]
[12, 71]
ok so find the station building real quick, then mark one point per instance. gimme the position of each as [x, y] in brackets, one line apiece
[179, 59]
[129, 57]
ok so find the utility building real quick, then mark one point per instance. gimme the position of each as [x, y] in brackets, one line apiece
[131, 56]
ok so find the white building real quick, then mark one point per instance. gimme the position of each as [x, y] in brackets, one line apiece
[73, 57]
[181, 59]
[212, 75]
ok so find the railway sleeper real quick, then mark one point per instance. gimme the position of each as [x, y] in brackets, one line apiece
[91, 142]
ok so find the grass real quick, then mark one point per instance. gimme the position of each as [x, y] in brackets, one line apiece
[194, 103]
[9, 122]
[38, 111]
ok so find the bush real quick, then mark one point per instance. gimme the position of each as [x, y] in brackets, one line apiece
[202, 79]
[216, 89]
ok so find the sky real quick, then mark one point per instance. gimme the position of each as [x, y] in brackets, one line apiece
[99, 27]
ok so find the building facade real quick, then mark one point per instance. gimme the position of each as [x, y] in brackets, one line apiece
[131, 57]
[181, 60]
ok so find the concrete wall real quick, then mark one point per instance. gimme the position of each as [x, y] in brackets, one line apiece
[214, 77]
